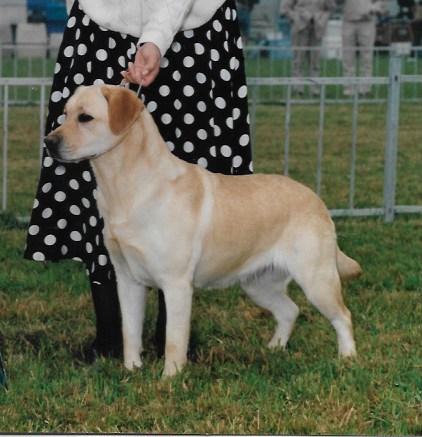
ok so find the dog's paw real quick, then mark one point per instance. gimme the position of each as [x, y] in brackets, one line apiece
[277, 343]
[348, 352]
[130, 364]
[171, 369]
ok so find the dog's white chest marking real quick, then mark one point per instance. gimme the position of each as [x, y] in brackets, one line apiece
[128, 253]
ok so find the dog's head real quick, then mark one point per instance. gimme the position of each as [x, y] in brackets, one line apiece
[97, 118]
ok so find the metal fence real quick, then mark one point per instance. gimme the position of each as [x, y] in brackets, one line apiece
[393, 83]
[274, 61]
[261, 62]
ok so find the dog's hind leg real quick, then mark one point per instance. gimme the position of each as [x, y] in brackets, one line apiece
[179, 306]
[269, 291]
[317, 275]
[325, 294]
[132, 297]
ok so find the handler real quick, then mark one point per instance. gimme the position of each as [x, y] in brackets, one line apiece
[188, 56]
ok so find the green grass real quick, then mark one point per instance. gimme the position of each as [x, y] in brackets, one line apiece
[337, 151]
[236, 385]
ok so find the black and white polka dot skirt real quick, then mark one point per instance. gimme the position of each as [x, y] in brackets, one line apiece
[198, 100]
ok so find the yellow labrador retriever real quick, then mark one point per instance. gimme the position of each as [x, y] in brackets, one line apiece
[176, 226]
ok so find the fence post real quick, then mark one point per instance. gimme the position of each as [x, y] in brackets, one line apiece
[390, 165]
[4, 151]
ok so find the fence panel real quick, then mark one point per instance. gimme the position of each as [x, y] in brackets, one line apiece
[261, 61]
[42, 85]
[393, 83]
[274, 61]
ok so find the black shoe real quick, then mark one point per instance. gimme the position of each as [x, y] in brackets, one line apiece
[92, 353]
[3, 378]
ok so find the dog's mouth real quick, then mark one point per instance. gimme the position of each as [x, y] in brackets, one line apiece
[54, 154]
[70, 160]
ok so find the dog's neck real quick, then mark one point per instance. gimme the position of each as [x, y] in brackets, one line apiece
[140, 156]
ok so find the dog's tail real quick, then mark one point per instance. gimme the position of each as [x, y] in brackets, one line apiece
[347, 267]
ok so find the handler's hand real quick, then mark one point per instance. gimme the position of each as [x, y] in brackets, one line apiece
[146, 66]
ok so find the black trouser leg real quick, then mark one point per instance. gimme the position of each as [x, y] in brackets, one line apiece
[160, 326]
[108, 340]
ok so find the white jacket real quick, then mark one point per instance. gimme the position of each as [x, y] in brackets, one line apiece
[155, 21]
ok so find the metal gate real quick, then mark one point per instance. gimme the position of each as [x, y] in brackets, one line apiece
[393, 82]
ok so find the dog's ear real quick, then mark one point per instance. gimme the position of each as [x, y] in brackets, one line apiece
[124, 107]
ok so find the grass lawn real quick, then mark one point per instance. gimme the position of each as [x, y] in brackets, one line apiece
[236, 385]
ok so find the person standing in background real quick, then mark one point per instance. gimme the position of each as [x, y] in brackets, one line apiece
[244, 9]
[359, 29]
[416, 23]
[309, 19]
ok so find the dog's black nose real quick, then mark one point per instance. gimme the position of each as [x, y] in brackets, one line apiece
[52, 143]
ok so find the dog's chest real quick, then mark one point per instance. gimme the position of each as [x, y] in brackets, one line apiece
[128, 254]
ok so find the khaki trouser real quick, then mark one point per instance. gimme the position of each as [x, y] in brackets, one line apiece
[362, 34]
[305, 39]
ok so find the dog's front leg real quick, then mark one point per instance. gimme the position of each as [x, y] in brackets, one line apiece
[179, 307]
[132, 297]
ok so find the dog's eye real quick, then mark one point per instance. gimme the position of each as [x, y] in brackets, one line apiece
[85, 118]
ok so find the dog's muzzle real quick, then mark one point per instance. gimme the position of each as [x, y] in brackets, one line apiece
[52, 144]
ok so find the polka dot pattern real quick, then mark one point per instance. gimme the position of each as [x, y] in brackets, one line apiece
[199, 102]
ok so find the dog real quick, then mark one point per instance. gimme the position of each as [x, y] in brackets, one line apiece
[176, 226]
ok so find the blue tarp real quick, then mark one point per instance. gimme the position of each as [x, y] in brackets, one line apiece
[52, 12]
